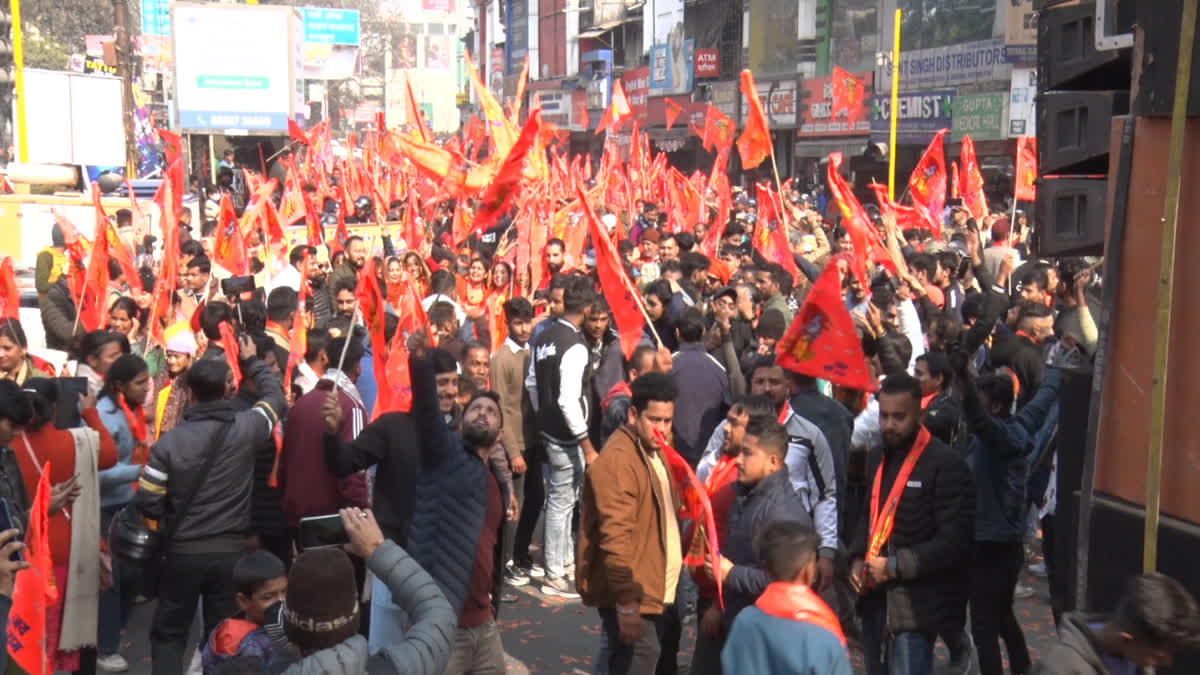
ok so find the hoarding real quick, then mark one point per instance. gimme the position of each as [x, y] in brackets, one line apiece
[1022, 111]
[236, 67]
[922, 114]
[980, 116]
[73, 119]
[330, 26]
[779, 103]
[964, 63]
[816, 115]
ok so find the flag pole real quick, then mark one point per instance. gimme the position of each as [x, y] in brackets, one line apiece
[895, 105]
[349, 334]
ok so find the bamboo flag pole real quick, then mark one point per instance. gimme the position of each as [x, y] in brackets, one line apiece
[349, 334]
[893, 114]
[1170, 220]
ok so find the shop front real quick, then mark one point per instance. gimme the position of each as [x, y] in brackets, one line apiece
[820, 131]
[780, 100]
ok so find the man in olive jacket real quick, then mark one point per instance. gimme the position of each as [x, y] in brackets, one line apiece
[629, 545]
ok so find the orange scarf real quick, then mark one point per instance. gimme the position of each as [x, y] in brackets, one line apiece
[882, 520]
[724, 473]
[138, 427]
[798, 603]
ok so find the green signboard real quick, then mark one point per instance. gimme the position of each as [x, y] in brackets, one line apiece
[982, 116]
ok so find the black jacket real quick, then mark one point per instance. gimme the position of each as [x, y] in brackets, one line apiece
[931, 541]
[222, 504]
[752, 510]
[58, 316]
[1023, 357]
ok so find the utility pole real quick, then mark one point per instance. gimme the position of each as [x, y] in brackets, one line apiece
[124, 51]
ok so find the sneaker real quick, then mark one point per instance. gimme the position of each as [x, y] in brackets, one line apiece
[1038, 569]
[514, 576]
[508, 597]
[536, 571]
[112, 663]
[562, 588]
[571, 571]
[1023, 592]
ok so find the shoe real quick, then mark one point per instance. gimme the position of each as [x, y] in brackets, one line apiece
[1023, 592]
[561, 588]
[571, 571]
[536, 571]
[1038, 569]
[112, 663]
[508, 597]
[514, 576]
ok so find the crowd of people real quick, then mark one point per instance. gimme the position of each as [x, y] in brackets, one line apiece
[845, 520]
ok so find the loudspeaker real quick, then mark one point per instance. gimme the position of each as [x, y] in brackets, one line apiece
[1070, 216]
[1067, 56]
[1073, 129]
[1156, 68]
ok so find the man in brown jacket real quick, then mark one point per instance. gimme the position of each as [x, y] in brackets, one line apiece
[629, 546]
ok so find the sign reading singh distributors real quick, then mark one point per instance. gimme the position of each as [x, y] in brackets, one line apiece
[940, 67]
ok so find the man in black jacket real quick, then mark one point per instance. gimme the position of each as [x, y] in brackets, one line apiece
[913, 585]
[209, 537]
[1021, 351]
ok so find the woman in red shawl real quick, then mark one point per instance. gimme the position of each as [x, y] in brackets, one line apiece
[417, 270]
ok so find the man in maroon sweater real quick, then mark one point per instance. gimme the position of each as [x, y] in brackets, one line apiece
[307, 487]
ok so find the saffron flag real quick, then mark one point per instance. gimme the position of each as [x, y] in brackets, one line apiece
[622, 297]
[616, 113]
[10, 296]
[93, 310]
[954, 180]
[506, 186]
[694, 506]
[718, 131]
[34, 589]
[822, 342]
[927, 184]
[907, 217]
[415, 118]
[771, 238]
[230, 346]
[754, 145]
[168, 275]
[972, 187]
[855, 220]
[1026, 168]
[398, 396]
[229, 248]
[847, 95]
[671, 112]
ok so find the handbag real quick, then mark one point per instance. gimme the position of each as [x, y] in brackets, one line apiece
[133, 543]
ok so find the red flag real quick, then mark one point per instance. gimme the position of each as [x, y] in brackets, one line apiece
[622, 297]
[230, 345]
[694, 506]
[10, 296]
[847, 95]
[296, 133]
[822, 342]
[415, 118]
[854, 219]
[972, 188]
[617, 110]
[954, 180]
[34, 588]
[754, 145]
[514, 110]
[672, 112]
[497, 325]
[771, 239]
[907, 217]
[93, 312]
[398, 394]
[229, 249]
[506, 186]
[1026, 168]
[409, 308]
[116, 247]
[719, 131]
[168, 275]
[370, 303]
[927, 184]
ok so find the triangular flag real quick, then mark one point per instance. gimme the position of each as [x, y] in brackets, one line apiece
[671, 112]
[754, 145]
[34, 589]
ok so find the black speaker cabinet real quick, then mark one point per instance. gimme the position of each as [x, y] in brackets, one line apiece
[1073, 130]
[1156, 69]
[1067, 56]
[1070, 216]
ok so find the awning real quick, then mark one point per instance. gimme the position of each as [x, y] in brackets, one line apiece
[600, 28]
[849, 147]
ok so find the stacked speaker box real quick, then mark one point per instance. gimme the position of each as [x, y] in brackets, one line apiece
[1080, 91]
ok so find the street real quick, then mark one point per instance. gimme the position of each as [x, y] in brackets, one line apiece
[544, 635]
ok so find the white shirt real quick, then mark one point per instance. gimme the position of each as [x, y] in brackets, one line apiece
[290, 277]
[438, 297]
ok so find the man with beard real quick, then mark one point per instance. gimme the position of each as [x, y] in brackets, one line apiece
[555, 250]
[318, 301]
[445, 370]
[347, 272]
[911, 547]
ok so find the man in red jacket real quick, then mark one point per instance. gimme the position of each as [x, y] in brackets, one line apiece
[307, 487]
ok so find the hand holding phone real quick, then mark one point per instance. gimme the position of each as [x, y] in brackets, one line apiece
[322, 532]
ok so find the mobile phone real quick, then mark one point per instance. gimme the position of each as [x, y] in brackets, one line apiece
[66, 402]
[322, 532]
[7, 522]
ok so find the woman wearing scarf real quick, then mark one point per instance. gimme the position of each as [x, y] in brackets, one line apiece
[126, 318]
[419, 270]
[171, 400]
[76, 454]
[393, 278]
[15, 362]
[120, 408]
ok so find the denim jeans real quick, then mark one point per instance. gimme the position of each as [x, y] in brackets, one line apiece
[564, 474]
[895, 653]
[389, 623]
[117, 602]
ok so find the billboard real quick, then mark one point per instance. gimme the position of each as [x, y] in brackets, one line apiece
[671, 70]
[816, 116]
[330, 26]
[1022, 111]
[922, 114]
[779, 102]
[236, 67]
[636, 83]
[966, 63]
[981, 116]
[517, 35]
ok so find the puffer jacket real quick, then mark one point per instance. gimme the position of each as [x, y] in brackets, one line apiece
[221, 505]
[116, 482]
[1076, 652]
[426, 646]
[999, 456]
[931, 541]
[773, 499]
[58, 316]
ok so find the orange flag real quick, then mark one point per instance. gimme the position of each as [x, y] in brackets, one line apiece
[754, 145]
[398, 395]
[972, 187]
[618, 110]
[622, 296]
[167, 276]
[10, 297]
[822, 342]
[1026, 168]
[847, 95]
[506, 186]
[229, 249]
[927, 184]
[230, 345]
[694, 506]
[34, 588]
[93, 310]
[672, 112]
[415, 118]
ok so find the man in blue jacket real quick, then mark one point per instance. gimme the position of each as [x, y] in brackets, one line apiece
[999, 453]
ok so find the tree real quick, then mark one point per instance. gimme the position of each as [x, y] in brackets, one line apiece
[66, 22]
[43, 52]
